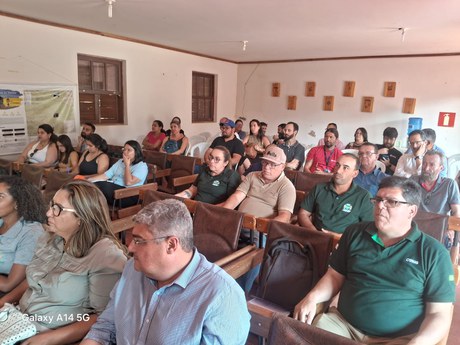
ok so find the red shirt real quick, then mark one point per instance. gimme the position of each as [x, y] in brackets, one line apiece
[152, 139]
[323, 159]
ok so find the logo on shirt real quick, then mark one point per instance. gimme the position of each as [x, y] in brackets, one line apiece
[216, 183]
[347, 208]
[412, 261]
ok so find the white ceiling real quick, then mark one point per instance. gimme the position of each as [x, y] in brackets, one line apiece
[274, 29]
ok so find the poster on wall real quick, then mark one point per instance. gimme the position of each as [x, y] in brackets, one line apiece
[24, 107]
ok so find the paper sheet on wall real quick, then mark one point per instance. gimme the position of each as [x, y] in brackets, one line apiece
[24, 107]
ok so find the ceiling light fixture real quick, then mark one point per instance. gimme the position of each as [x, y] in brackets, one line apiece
[110, 7]
[245, 44]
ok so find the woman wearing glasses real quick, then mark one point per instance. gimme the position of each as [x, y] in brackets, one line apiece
[75, 266]
[216, 182]
[22, 213]
[42, 152]
[130, 171]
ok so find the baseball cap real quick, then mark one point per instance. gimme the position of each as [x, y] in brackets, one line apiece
[227, 122]
[274, 154]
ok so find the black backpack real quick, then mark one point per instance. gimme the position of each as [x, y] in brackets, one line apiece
[288, 273]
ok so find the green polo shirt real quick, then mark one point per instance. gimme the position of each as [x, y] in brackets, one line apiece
[385, 289]
[216, 189]
[335, 212]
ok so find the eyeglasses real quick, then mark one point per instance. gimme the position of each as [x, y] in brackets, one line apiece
[32, 154]
[388, 203]
[269, 164]
[365, 154]
[57, 209]
[215, 159]
[140, 241]
[412, 143]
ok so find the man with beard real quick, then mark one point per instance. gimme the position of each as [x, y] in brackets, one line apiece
[87, 129]
[396, 283]
[369, 175]
[335, 205]
[388, 155]
[228, 140]
[295, 152]
[322, 159]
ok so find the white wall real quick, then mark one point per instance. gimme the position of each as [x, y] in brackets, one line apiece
[434, 82]
[159, 81]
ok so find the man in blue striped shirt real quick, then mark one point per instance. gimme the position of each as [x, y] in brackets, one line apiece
[169, 293]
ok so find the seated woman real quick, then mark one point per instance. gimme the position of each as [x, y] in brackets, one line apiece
[176, 143]
[256, 136]
[42, 152]
[250, 161]
[22, 213]
[68, 157]
[130, 171]
[155, 137]
[217, 181]
[94, 161]
[175, 119]
[360, 138]
[76, 264]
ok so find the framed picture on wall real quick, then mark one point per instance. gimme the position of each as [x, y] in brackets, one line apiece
[276, 89]
[292, 102]
[409, 105]
[349, 89]
[368, 104]
[328, 104]
[389, 89]
[310, 89]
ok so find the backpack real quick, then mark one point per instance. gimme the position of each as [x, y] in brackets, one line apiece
[171, 146]
[288, 273]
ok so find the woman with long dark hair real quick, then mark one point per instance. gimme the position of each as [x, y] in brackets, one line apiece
[360, 138]
[130, 171]
[94, 161]
[68, 157]
[155, 137]
[256, 136]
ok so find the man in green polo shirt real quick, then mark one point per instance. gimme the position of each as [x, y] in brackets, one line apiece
[395, 282]
[337, 204]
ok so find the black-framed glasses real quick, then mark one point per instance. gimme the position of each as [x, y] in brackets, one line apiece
[32, 154]
[140, 241]
[389, 203]
[215, 159]
[270, 165]
[366, 154]
[57, 209]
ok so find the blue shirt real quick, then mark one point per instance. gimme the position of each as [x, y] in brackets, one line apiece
[370, 182]
[204, 305]
[17, 245]
[117, 173]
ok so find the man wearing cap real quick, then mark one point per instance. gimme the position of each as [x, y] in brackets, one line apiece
[228, 140]
[267, 193]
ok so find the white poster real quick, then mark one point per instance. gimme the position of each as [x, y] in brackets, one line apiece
[24, 107]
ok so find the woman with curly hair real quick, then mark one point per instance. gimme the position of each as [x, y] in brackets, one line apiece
[22, 212]
[75, 266]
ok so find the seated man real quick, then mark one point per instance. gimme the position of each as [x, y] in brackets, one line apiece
[388, 154]
[335, 205]
[394, 280]
[322, 159]
[87, 129]
[430, 145]
[267, 193]
[228, 140]
[410, 164]
[369, 175]
[169, 293]
[338, 143]
[295, 151]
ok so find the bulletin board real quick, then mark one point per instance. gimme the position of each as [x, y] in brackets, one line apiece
[24, 107]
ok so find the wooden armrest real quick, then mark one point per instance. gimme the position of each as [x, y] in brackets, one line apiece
[17, 166]
[128, 211]
[122, 224]
[235, 255]
[243, 264]
[249, 222]
[180, 181]
[262, 225]
[132, 191]
[162, 173]
[262, 312]
[191, 205]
